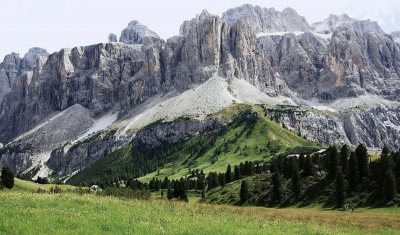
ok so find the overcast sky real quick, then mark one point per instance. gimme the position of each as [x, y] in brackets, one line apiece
[55, 24]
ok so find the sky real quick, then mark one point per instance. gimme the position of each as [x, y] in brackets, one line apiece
[56, 24]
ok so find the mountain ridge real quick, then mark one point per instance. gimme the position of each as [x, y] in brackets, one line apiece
[212, 63]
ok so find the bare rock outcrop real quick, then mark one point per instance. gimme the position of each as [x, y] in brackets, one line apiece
[135, 32]
[267, 20]
[330, 24]
[112, 38]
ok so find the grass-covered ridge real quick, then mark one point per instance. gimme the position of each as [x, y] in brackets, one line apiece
[248, 136]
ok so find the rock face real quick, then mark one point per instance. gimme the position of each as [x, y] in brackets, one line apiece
[395, 34]
[350, 64]
[67, 160]
[373, 127]
[112, 38]
[330, 24]
[135, 33]
[267, 20]
[30, 58]
[39, 94]
[13, 67]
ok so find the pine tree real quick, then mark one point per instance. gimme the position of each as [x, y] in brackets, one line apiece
[296, 181]
[333, 162]
[386, 163]
[244, 191]
[170, 193]
[308, 167]
[277, 186]
[301, 161]
[228, 174]
[7, 177]
[340, 186]
[389, 186]
[352, 174]
[362, 159]
[344, 162]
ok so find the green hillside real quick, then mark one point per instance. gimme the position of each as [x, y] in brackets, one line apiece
[29, 186]
[248, 136]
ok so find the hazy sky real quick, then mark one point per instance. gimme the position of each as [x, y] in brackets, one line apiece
[55, 24]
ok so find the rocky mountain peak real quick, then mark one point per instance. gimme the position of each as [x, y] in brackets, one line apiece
[267, 20]
[135, 32]
[30, 58]
[112, 38]
[330, 24]
[188, 24]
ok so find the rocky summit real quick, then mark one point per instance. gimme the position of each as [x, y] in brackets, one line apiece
[340, 78]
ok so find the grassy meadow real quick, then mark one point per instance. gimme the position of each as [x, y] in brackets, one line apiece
[27, 213]
[24, 212]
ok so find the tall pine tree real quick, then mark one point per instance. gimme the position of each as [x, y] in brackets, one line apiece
[344, 162]
[340, 187]
[352, 174]
[228, 174]
[277, 183]
[362, 159]
[389, 186]
[244, 191]
[296, 180]
[333, 162]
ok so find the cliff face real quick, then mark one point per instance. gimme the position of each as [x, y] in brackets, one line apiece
[373, 127]
[330, 24]
[267, 20]
[47, 101]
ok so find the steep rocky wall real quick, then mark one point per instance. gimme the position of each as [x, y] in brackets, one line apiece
[66, 160]
[373, 128]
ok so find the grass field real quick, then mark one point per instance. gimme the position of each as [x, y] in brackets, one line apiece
[23, 212]
[23, 185]
[28, 213]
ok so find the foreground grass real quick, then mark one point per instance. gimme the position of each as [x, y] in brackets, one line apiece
[27, 213]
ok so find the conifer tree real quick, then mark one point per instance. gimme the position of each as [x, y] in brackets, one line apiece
[296, 180]
[308, 167]
[362, 159]
[333, 162]
[352, 175]
[244, 191]
[7, 177]
[228, 174]
[340, 186]
[344, 162]
[170, 193]
[277, 186]
[389, 186]
[385, 163]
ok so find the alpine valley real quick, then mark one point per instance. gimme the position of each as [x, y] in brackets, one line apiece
[268, 79]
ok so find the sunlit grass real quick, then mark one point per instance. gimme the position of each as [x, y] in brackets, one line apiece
[27, 213]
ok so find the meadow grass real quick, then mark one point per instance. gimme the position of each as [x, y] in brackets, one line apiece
[24, 185]
[68, 213]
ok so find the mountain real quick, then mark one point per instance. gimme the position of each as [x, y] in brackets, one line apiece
[69, 109]
[333, 21]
